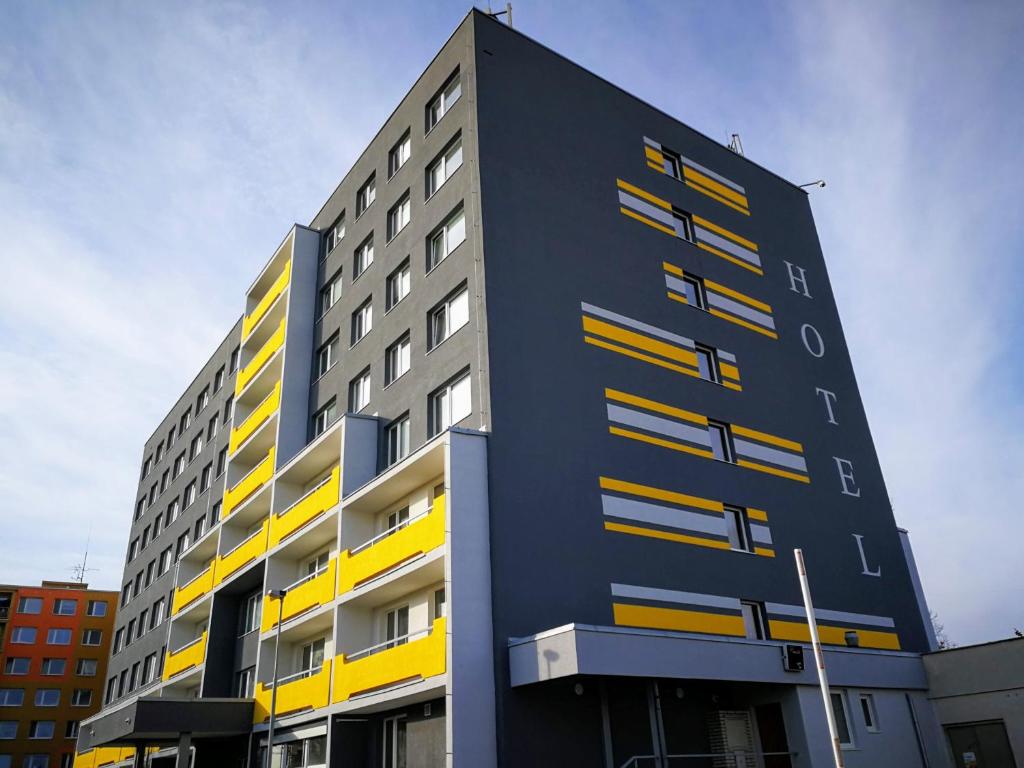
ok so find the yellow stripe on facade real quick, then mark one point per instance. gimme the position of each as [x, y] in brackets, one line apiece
[732, 385]
[799, 631]
[764, 437]
[640, 356]
[678, 297]
[730, 258]
[648, 222]
[634, 339]
[627, 187]
[718, 198]
[680, 538]
[660, 442]
[679, 620]
[653, 154]
[730, 370]
[651, 405]
[649, 492]
[672, 268]
[741, 297]
[702, 222]
[743, 323]
[714, 186]
[757, 514]
[656, 167]
[764, 552]
[773, 471]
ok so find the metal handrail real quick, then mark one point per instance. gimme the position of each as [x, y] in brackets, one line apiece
[246, 475]
[306, 495]
[389, 532]
[307, 577]
[255, 408]
[197, 576]
[244, 541]
[387, 644]
[189, 644]
[634, 761]
[300, 675]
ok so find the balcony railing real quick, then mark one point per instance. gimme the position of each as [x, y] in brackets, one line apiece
[387, 552]
[251, 547]
[250, 321]
[248, 373]
[308, 690]
[312, 504]
[185, 658]
[254, 479]
[254, 420]
[389, 664]
[194, 588]
[304, 595]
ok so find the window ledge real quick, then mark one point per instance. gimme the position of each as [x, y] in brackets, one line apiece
[441, 343]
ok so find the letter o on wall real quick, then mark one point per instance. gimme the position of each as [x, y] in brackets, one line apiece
[815, 346]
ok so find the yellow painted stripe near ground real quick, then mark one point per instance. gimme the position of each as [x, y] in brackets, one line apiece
[627, 187]
[672, 268]
[648, 222]
[743, 323]
[741, 297]
[653, 617]
[773, 471]
[714, 186]
[757, 514]
[649, 492]
[640, 356]
[702, 222]
[731, 259]
[799, 631]
[651, 405]
[634, 339]
[660, 442]
[764, 437]
[680, 538]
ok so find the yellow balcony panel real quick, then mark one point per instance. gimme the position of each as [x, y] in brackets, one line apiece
[254, 420]
[311, 691]
[312, 505]
[417, 659]
[251, 548]
[301, 598]
[186, 658]
[248, 373]
[250, 321]
[188, 593]
[257, 477]
[385, 554]
[100, 756]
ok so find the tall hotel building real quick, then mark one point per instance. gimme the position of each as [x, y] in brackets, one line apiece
[525, 425]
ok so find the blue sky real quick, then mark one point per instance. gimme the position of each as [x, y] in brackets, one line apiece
[153, 154]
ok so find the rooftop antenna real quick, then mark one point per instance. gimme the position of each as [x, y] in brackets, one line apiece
[507, 13]
[735, 144]
[80, 569]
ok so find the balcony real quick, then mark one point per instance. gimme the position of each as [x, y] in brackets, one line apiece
[422, 655]
[255, 420]
[255, 479]
[304, 595]
[250, 548]
[392, 548]
[255, 365]
[313, 504]
[185, 658]
[304, 690]
[195, 588]
[99, 756]
[250, 321]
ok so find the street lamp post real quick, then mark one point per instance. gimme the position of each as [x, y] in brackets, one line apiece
[277, 594]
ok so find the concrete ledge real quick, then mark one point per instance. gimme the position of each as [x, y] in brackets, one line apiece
[161, 720]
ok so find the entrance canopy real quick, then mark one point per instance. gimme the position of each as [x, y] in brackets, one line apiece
[155, 721]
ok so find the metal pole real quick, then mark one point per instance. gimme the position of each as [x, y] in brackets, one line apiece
[805, 588]
[273, 692]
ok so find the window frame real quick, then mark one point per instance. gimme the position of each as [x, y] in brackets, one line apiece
[443, 231]
[322, 414]
[396, 440]
[400, 153]
[445, 306]
[328, 292]
[442, 99]
[362, 319]
[441, 160]
[368, 189]
[869, 712]
[394, 224]
[714, 371]
[395, 350]
[844, 711]
[333, 237]
[357, 383]
[726, 444]
[447, 389]
[361, 263]
[330, 349]
[395, 278]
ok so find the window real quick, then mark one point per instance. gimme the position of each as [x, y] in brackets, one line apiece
[443, 101]
[35, 761]
[399, 216]
[684, 223]
[397, 439]
[86, 667]
[323, 418]
[172, 511]
[8, 729]
[165, 478]
[867, 709]
[446, 239]
[450, 404]
[82, 697]
[71, 730]
[396, 626]
[186, 419]
[394, 742]
[222, 460]
[211, 429]
[244, 682]
[140, 507]
[440, 609]
[92, 637]
[738, 526]
[250, 614]
[12, 697]
[41, 729]
[47, 697]
[218, 382]
[366, 195]
[313, 655]
[165, 562]
[399, 154]
[330, 293]
[190, 493]
[359, 392]
[362, 321]
[157, 615]
[65, 607]
[122, 683]
[146, 466]
[126, 594]
[707, 363]
[754, 620]
[229, 408]
[129, 633]
[327, 355]
[16, 665]
[133, 549]
[398, 286]
[30, 605]
[206, 477]
[233, 364]
[133, 681]
[160, 450]
[842, 718]
[179, 465]
[363, 257]
[721, 441]
[152, 495]
[447, 163]
[204, 399]
[195, 447]
[145, 536]
[170, 436]
[143, 618]
[317, 565]
[157, 524]
[448, 317]
[54, 666]
[137, 586]
[23, 635]
[397, 359]
[182, 545]
[148, 668]
[336, 233]
[215, 511]
[673, 163]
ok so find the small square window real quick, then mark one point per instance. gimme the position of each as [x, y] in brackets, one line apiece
[721, 441]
